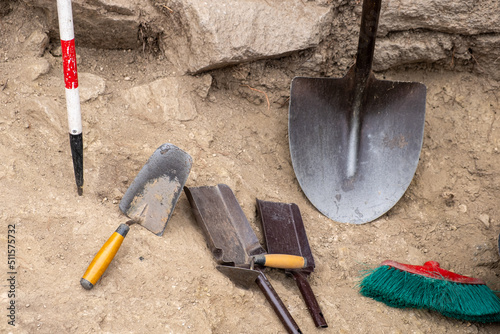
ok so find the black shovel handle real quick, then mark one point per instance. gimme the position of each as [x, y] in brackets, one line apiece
[309, 298]
[367, 36]
[278, 306]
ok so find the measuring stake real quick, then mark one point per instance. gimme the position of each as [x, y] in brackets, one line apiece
[64, 12]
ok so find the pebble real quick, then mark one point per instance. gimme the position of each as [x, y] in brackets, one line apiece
[485, 219]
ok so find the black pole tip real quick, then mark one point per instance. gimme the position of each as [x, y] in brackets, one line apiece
[80, 190]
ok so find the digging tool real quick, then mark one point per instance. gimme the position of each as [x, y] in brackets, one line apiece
[66, 32]
[149, 201]
[284, 233]
[355, 141]
[233, 242]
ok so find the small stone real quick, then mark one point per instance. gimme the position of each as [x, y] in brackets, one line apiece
[485, 219]
[37, 68]
[37, 43]
[462, 208]
[91, 86]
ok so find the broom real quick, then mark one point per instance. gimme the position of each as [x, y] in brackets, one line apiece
[430, 287]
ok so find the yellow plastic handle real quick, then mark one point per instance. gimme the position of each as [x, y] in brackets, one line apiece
[283, 261]
[104, 257]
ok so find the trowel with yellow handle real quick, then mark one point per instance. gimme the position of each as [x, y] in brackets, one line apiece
[149, 202]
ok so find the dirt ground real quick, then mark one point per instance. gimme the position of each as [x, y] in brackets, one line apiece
[169, 284]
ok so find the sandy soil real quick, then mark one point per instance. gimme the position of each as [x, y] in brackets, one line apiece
[169, 284]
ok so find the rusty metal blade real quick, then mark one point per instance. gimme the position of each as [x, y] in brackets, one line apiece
[233, 242]
[229, 235]
[284, 231]
[151, 198]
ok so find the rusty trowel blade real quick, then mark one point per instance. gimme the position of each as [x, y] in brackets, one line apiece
[228, 233]
[284, 231]
[151, 198]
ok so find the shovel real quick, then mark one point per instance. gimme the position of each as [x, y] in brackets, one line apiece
[284, 233]
[233, 242]
[149, 202]
[355, 141]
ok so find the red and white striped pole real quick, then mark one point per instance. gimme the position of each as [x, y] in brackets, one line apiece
[66, 32]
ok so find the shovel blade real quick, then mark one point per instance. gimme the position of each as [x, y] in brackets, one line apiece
[387, 149]
[152, 196]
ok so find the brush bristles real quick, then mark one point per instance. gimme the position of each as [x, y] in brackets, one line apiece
[396, 288]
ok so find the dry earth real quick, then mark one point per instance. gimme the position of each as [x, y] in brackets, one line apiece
[132, 102]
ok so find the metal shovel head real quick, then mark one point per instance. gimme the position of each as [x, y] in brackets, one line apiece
[284, 231]
[227, 231]
[388, 144]
[151, 198]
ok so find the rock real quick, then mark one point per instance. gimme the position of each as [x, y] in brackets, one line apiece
[90, 86]
[485, 219]
[168, 98]
[463, 17]
[198, 35]
[36, 43]
[36, 67]
[206, 34]
[407, 48]
[106, 24]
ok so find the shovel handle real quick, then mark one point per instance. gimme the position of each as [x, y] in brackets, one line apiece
[367, 35]
[309, 299]
[283, 261]
[104, 257]
[278, 306]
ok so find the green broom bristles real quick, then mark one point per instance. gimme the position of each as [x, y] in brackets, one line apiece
[401, 289]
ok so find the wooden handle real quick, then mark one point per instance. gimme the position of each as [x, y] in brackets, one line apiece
[104, 257]
[283, 261]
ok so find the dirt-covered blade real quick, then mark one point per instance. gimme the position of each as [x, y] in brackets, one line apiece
[151, 198]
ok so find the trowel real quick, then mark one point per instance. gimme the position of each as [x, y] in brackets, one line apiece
[284, 233]
[233, 243]
[149, 201]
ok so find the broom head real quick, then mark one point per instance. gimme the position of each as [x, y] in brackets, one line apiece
[431, 287]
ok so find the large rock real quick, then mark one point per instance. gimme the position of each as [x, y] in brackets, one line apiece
[108, 24]
[213, 34]
[167, 99]
[200, 35]
[465, 17]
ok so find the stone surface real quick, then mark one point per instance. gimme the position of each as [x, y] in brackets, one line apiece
[197, 35]
[216, 34]
[167, 99]
[90, 86]
[466, 17]
[36, 44]
[37, 68]
[109, 24]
